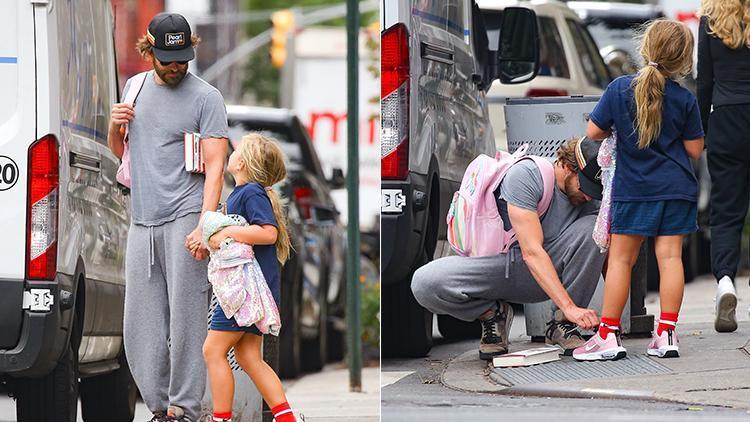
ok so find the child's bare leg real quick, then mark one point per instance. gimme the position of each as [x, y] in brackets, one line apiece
[671, 276]
[248, 355]
[623, 252]
[215, 350]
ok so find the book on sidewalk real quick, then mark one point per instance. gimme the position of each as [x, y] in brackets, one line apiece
[527, 357]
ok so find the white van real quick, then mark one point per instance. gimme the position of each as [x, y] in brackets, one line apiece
[437, 66]
[64, 218]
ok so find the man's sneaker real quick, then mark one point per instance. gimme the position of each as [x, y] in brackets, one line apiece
[665, 345]
[495, 332]
[726, 303]
[175, 413]
[159, 417]
[597, 349]
[563, 333]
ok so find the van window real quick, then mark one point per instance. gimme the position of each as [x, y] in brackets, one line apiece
[552, 60]
[448, 15]
[594, 69]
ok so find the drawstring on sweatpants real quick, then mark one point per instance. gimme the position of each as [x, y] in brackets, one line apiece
[150, 249]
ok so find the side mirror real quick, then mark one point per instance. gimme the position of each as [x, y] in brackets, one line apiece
[517, 60]
[337, 180]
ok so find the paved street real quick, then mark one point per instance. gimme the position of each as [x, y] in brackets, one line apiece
[708, 383]
[321, 397]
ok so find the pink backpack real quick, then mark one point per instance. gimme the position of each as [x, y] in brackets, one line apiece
[474, 224]
[123, 172]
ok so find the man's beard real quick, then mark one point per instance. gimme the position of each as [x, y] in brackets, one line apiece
[171, 80]
[575, 196]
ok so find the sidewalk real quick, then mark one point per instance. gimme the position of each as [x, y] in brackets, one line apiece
[713, 369]
[325, 396]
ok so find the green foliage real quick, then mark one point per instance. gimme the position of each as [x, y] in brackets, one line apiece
[261, 78]
[371, 314]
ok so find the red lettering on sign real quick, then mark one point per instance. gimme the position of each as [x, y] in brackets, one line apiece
[335, 120]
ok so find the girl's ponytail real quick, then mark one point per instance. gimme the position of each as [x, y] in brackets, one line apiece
[649, 96]
[667, 49]
[283, 244]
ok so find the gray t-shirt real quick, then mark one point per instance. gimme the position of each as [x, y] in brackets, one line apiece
[161, 189]
[523, 187]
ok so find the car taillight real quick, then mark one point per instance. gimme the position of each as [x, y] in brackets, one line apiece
[546, 92]
[394, 103]
[41, 209]
[303, 199]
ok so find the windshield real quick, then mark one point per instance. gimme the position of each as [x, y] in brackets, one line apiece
[607, 35]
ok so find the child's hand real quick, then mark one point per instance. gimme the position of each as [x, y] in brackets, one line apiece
[215, 240]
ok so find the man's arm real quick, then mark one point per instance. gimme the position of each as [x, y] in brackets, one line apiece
[214, 154]
[528, 229]
[121, 114]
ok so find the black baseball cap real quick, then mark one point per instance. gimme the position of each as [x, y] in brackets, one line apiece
[170, 38]
[589, 172]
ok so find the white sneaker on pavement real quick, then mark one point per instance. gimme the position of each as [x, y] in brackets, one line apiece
[726, 303]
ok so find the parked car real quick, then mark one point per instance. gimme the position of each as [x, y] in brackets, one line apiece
[437, 64]
[614, 27]
[569, 60]
[313, 282]
[64, 218]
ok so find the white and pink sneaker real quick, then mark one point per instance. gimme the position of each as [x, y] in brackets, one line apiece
[597, 349]
[665, 345]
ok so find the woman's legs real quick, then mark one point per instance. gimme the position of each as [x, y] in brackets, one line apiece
[672, 277]
[248, 354]
[623, 252]
[220, 377]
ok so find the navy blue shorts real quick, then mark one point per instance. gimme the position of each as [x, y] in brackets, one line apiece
[654, 218]
[220, 322]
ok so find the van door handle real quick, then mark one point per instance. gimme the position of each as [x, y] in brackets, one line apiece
[436, 53]
[86, 162]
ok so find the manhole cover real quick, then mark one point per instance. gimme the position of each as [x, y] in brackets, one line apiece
[568, 369]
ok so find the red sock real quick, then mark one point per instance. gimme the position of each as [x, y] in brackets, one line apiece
[667, 321]
[222, 415]
[283, 413]
[608, 325]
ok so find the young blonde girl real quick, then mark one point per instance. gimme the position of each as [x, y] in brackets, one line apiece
[256, 165]
[654, 189]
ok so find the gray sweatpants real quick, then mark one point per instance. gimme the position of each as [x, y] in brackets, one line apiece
[166, 311]
[466, 287]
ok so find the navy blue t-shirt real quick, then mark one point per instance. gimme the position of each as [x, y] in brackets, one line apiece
[251, 201]
[663, 170]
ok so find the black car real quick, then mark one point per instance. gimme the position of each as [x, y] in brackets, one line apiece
[313, 281]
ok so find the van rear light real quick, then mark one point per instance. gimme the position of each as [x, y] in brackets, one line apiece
[41, 209]
[394, 103]
[546, 92]
[303, 198]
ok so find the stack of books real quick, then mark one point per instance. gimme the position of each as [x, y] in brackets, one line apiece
[194, 153]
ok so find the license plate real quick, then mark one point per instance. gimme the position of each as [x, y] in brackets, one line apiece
[392, 200]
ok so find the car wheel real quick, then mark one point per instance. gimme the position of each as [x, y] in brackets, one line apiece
[110, 397]
[314, 350]
[407, 326]
[455, 329]
[53, 397]
[289, 338]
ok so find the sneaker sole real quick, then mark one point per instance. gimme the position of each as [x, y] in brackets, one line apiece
[671, 352]
[726, 321]
[613, 354]
[489, 356]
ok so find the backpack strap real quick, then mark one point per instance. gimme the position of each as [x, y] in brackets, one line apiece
[136, 85]
[547, 169]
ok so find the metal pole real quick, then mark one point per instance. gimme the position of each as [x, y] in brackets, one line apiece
[352, 184]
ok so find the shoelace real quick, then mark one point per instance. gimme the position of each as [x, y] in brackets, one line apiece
[490, 326]
[568, 328]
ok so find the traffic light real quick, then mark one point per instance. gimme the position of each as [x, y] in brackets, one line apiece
[283, 22]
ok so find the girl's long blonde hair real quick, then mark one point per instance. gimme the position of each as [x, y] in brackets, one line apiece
[264, 164]
[667, 49]
[728, 20]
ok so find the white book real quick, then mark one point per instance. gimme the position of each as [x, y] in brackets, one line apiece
[193, 153]
[527, 357]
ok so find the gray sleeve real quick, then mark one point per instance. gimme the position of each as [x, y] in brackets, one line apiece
[523, 186]
[213, 118]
